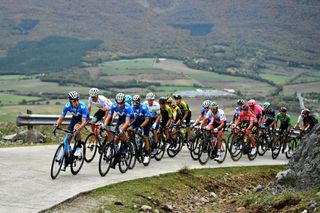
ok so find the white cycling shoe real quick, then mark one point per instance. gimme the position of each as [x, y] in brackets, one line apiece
[253, 151]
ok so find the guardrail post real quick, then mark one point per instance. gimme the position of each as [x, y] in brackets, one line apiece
[29, 112]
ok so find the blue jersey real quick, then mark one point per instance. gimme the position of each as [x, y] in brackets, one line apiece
[122, 113]
[81, 110]
[141, 113]
[203, 111]
[236, 114]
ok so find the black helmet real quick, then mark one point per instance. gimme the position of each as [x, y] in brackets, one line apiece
[177, 97]
[240, 101]
[162, 100]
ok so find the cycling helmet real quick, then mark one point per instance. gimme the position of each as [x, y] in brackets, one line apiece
[213, 105]
[169, 100]
[306, 111]
[266, 105]
[251, 102]
[136, 98]
[73, 95]
[177, 96]
[120, 98]
[94, 92]
[240, 101]
[150, 96]
[283, 109]
[128, 98]
[162, 100]
[245, 107]
[206, 103]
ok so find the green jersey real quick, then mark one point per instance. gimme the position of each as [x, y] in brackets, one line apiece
[284, 121]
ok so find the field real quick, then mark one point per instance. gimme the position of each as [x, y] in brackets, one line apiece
[277, 79]
[10, 99]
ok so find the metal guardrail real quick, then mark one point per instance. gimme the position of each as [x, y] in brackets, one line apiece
[39, 119]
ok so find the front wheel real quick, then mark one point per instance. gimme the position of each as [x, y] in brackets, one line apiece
[91, 147]
[293, 146]
[236, 147]
[262, 146]
[58, 160]
[276, 147]
[105, 160]
[77, 161]
[223, 151]
[204, 151]
[161, 146]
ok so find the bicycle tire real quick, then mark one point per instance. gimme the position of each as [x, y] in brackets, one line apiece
[133, 160]
[77, 162]
[91, 147]
[172, 152]
[105, 160]
[223, 151]
[161, 148]
[236, 150]
[194, 152]
[61, 158]
[262, 147]
[204, 152]
[293, 145]
[124, 161]
[276, 148]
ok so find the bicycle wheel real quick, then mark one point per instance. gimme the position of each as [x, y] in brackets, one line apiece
[125, 158]
[204, 151]
[161, 146]
[174, 150]
[223, 150]
[293, 145]
[236, 147]
[133, 147]
[194, 151]
[262, 147]
[105, 160]
[276, 147]
[58, 160]
[77, 161]
[91, 147]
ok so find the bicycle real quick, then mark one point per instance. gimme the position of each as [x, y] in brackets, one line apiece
[294, 142]
[93, 142]
[64, 155]
[208, 148]
[239, 145]
[279, 141]
[265, 139]
[174, 147]
[121, 154]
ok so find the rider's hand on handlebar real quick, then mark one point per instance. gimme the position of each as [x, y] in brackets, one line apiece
[76, 132]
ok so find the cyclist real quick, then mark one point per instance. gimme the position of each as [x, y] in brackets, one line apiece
[247, 120]
[186, 113]
[237, 110]
[299, 121]
[309, 121]
[217, 121]
[268, 114]
[255, 109]
[78, 121]
[176, 116]
[154, 119]
[166, 117]
[124, 111]
[141, 119]
[285, 125]
[204, 109]
[101, 102]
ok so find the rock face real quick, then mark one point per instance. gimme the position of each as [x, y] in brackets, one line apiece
[304, 166]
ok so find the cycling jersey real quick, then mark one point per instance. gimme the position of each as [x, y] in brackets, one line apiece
[166, 114]
[257, 111]
[184, 107]
[202, 111]
[216, 119]
[249, 117]
[310, 120]
[81, 110]
[283, 120]
[154, 109]
[122, 113]
[176, 112]
[102, 102]
[236, 113]
[142, 112]
[269, 116]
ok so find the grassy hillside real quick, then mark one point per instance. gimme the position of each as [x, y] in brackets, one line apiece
[213, 35]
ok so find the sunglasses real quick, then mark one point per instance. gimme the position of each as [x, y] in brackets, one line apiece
[206, 108]
[74, 101]
[120, 103]
[136, 102]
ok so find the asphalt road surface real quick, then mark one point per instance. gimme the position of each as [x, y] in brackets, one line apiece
[26, 185]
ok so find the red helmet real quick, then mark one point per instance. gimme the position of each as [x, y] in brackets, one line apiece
[251, 102]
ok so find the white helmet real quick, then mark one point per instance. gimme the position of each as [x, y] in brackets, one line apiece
[150, 96]
[136, 98]
[120, 98]
[94, 92]
[206, 103]
[73, 95]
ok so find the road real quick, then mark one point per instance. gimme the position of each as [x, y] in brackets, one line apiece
[26, 185]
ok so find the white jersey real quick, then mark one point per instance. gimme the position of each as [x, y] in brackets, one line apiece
[154, 109]
[218, 117]
[102, 102]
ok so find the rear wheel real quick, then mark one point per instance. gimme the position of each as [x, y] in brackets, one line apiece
[91, 147]
[77, 161]
[223, 151]
[194, 151]
[262, 146]
[276, 147]
[58, 160]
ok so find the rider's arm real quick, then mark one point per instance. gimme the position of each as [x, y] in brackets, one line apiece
[59, 121]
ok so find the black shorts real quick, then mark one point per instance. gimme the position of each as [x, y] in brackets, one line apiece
[99, 114]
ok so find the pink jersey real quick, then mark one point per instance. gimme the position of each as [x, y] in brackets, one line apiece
[257, 110]
[248, 117]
